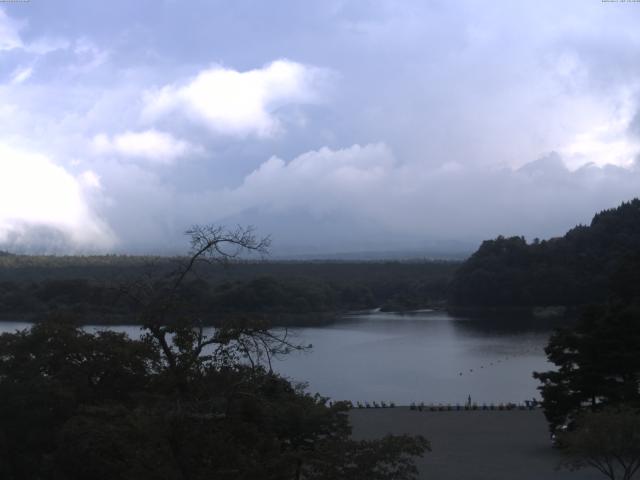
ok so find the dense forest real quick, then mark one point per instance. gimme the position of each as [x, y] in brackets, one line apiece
[98, 288]
[572, 270]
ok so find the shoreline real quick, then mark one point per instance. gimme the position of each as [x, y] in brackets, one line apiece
[276, 320]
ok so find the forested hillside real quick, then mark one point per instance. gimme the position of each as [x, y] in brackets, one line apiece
[572, 270]
[98, 288]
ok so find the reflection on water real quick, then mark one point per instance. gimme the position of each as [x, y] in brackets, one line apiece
[415, 357]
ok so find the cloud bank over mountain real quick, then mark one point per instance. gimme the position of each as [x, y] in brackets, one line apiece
[340, 126]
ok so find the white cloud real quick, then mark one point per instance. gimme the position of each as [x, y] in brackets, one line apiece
[88, 56]
[44, 45]
[90, 179]
[34, 192]
[607, 141]
[321, 180]
[150, 145]
[239, 103]
[21, 75]
[9, 33]
[11, 39]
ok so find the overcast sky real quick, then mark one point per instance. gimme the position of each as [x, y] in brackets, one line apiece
[333, 125]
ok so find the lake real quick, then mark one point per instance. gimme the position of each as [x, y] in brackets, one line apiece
[426, 356]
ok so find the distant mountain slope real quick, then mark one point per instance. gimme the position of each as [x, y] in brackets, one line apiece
[570, 270]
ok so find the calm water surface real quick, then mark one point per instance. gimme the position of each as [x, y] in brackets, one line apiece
[423, 356]
[415, 357]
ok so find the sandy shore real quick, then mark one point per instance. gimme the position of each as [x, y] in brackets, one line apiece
[476, 445]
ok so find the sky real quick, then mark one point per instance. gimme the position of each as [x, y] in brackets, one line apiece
[331, 125]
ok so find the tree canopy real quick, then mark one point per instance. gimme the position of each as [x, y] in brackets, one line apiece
[181, 402]
[569, 270]
[598, 358]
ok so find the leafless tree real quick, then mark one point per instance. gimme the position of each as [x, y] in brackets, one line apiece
[183, 340]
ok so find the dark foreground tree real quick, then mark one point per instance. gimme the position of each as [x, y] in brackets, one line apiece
[608, 440]
[598, 364]
[180, 403]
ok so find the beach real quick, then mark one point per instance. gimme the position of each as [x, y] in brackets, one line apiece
[476, 445]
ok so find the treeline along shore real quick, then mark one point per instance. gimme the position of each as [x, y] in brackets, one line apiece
[98, 289]
[506, 276]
